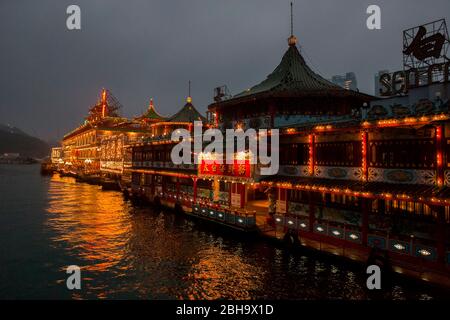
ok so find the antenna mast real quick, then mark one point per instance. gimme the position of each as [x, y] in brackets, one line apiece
[292, 40]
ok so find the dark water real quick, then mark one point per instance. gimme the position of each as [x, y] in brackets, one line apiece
[125, 251]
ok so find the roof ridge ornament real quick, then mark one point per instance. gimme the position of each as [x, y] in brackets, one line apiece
[189, 98]
[292, 40]
[150, 106]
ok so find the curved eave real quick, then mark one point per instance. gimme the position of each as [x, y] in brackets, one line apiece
[76, 131]
[331, 126]
[169, 123]
[150, 120]
[291, 94]
[97, 125]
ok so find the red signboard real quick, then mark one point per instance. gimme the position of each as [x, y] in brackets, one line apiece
[240, 168]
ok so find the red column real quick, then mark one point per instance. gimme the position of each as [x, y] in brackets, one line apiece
[195, 190]
[311, 154]
[439, 133]
[364, 161]
[216, 119]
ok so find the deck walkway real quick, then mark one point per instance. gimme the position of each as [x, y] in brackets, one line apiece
[260, 207]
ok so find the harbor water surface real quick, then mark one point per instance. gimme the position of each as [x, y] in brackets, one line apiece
[128, 251]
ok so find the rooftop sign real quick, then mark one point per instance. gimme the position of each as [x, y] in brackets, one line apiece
[425, 45]
[425, 59]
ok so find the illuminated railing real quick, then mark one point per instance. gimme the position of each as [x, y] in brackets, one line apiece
[236, 217]
[182, 197]
[351, 234]
[163, 164]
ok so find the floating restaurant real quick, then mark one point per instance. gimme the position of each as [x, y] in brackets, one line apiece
[151, 171]
[359, 175]
[96, 147]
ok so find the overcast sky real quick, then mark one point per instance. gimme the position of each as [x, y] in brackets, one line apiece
[49, 76]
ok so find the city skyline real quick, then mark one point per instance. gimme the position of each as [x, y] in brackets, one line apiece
[347, 81]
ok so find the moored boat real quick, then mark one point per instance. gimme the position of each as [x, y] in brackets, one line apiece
[47, 168]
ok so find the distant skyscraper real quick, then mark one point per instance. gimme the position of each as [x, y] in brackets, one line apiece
[347, 81]
[377, 81]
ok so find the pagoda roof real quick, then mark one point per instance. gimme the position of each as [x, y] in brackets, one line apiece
[151, 114]
[293, 78]
[292, 74]
[187, 114]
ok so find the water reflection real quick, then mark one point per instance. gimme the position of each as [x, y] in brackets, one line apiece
[127, 251]
[91, 224]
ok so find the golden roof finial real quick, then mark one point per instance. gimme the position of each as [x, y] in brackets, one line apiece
[189, 98]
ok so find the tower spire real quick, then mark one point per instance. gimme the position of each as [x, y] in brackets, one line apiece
[292, 40]
[292, 22]
[103, 103]
[189, 98]
[150, 106]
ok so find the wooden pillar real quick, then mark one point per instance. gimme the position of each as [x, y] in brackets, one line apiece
[365, 209]
[178, 188]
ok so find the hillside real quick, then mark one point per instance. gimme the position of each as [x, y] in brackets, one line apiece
[14, 140]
